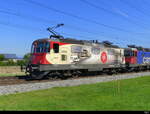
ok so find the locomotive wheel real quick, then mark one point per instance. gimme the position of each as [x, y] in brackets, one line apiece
[54, 75]
[75, 74]
[38, 75]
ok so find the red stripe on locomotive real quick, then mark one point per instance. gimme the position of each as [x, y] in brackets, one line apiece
[60, 44]
[40, 58]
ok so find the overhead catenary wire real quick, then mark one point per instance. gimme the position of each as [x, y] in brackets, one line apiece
[79, 17]
[25, 16]
[25, 27]
[68, 26]
[46, 20]
[29, 28]
[113, 13]
[82, 18]
[137, 9]
[17, 26]
[31, 17]
[134, 7]
[137, 18]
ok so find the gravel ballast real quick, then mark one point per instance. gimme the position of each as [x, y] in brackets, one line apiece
[12, 89]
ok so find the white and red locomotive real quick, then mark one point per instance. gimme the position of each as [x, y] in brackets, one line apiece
[73, 56]
[70, 57]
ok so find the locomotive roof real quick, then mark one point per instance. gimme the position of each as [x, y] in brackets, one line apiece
[138, 49]
[67, 40]
[83, 42]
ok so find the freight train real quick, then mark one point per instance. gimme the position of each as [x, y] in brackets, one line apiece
[67, 57]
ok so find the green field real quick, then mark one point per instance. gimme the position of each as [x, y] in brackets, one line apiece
[131, 94]
[9, 74]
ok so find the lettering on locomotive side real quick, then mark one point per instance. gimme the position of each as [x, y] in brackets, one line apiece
[146, 60]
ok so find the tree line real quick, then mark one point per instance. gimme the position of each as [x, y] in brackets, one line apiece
[10, 62]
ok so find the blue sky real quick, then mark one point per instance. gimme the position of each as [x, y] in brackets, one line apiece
[120, 21]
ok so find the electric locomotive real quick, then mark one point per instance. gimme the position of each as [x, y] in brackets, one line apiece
[137, 58]
[70, 57]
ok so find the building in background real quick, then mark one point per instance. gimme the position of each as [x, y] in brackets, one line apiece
[11, 57]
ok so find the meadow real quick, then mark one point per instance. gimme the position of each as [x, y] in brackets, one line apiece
[130, 95]
[11, 71]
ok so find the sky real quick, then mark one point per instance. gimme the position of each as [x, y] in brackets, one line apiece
[123, 22]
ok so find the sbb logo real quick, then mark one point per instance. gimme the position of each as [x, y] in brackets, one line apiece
[104, 57]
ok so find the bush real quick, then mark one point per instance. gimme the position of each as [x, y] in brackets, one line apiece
[2, 63]
[21, 62]
[17, 63]
[11, 63]
[7, 63]
[27, 57]
[2, 58]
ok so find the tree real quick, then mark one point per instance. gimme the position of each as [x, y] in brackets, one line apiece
[27, 57]
[20, 62]
[11, 63]
[2, 57]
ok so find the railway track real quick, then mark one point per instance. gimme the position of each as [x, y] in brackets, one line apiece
[17, 80]
[21, 84]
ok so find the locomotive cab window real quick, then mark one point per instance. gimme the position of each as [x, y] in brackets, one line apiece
[130, 53]
[40, 47]
[56, 47]
[135, 54]
[127, 53]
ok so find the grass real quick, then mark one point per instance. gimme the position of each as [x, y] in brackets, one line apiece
[10, 74]
[130, 94]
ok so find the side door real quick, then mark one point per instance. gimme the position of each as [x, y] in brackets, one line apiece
[55, 54]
